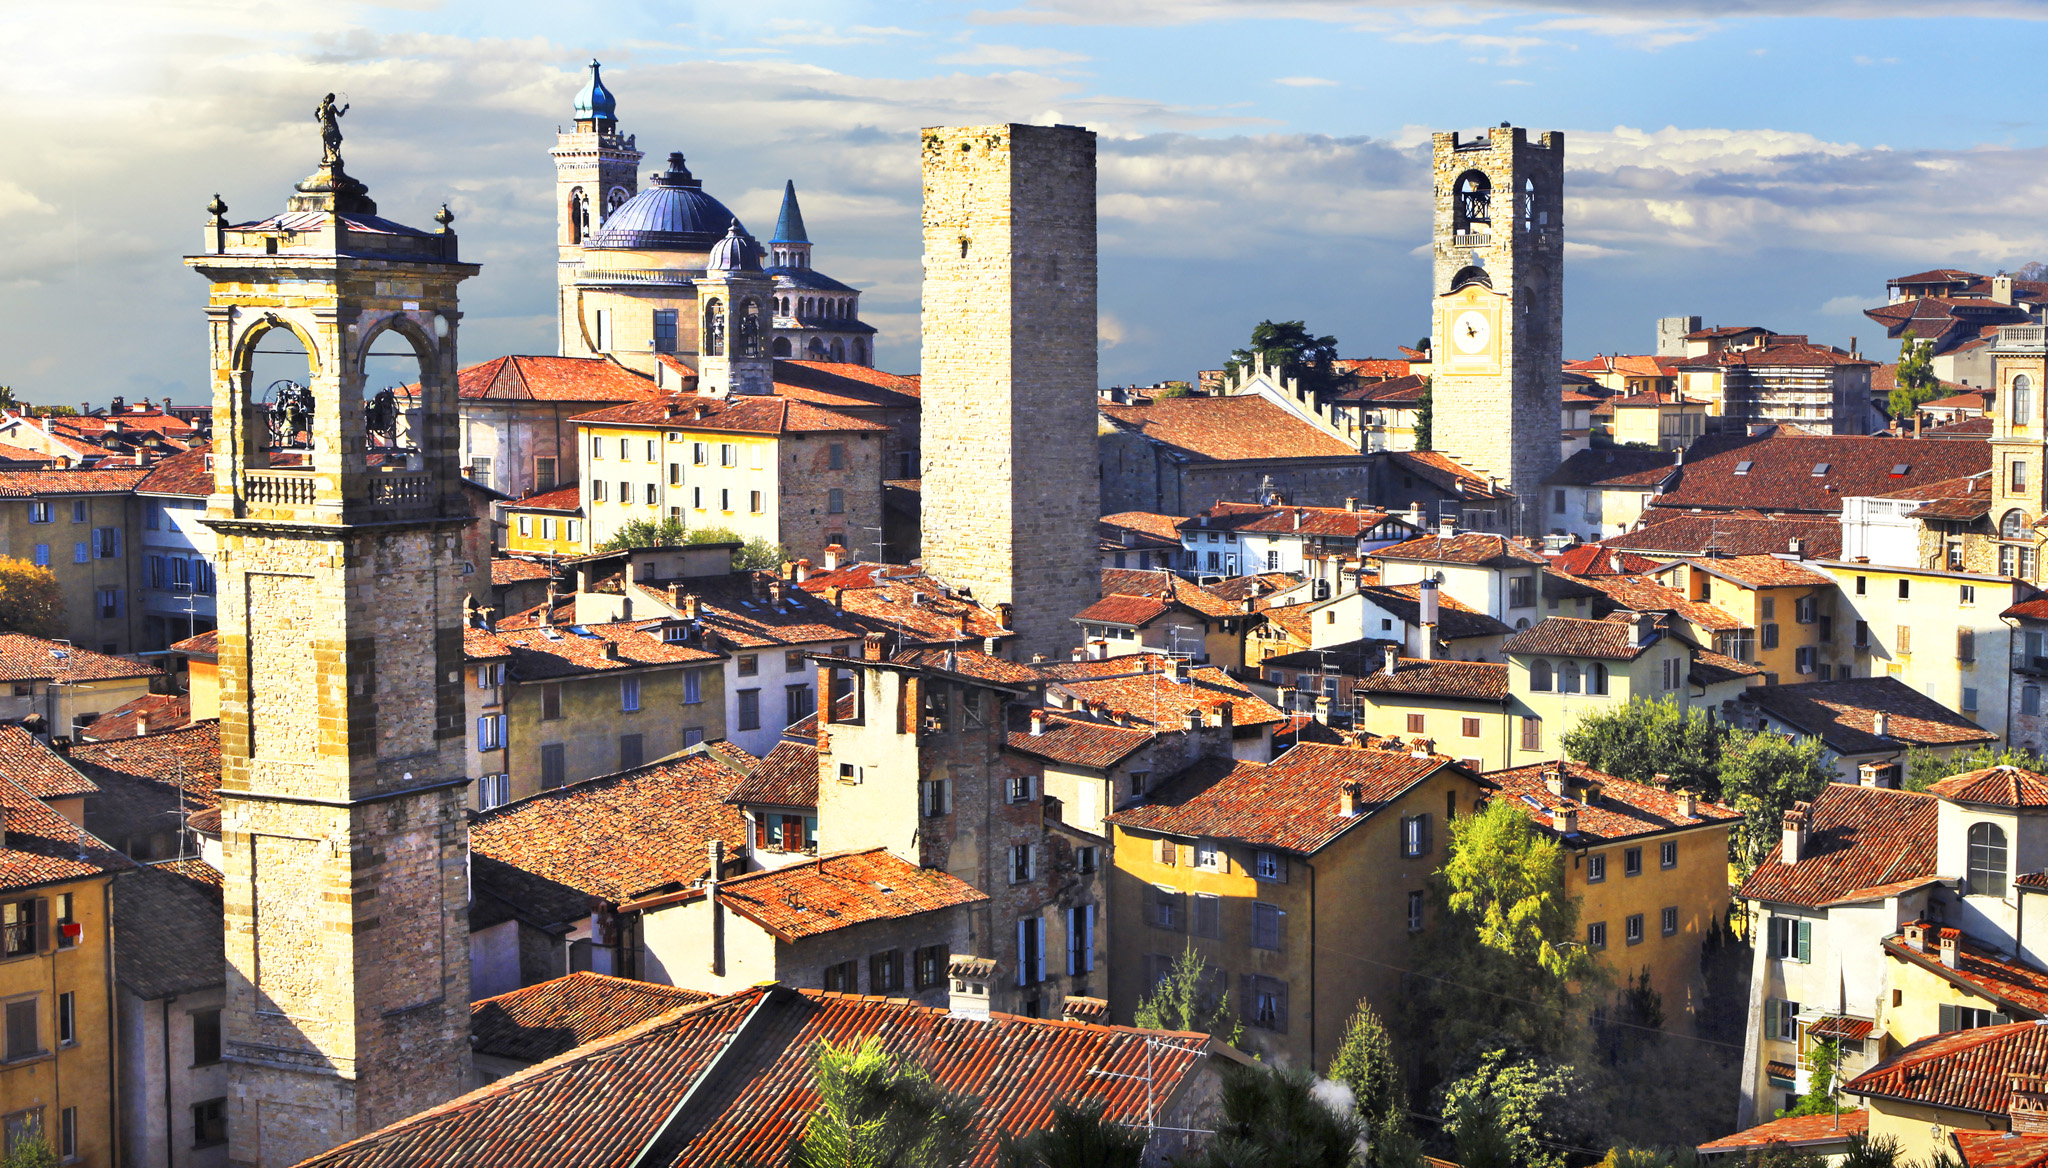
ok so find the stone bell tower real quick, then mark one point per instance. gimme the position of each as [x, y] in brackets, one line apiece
[596, 169]
[1496, 334]
[737, 300]
[342, 728]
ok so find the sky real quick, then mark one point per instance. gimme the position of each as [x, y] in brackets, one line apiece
[1748, 163]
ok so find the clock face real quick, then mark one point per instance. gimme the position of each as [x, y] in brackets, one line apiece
[1471, 331]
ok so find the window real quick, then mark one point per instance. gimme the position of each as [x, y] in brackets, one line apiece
[1667, 854]
[39, 512]
[1081, 939]
[2030, 699]
[67, 925]
[749, 664]
[551, 702]
[1017, 788]
[1862, 585]
[835, 456]
[754, 502]
[664, 330]
[1969, 699]
[81, 552]
[750, 709]
[1805, 659]
[1904, 641]
[1596, 868]
[693, 686]
[1271, 866]
[67, 1019]
[929, 967]
[835, 501]
[1596, 935]
[1416, 722]
[78, 511]
[2019, 475]
[1030, 951]
[700, 453]
[1209, 856]
[554, 766]
[1969, 1018]
[1470, 727]
[629, 694]
[1557, 501]
[210, 1123]
[630, 751]
[1086, 860]
[652, 496]
[23, 1040]
[1023, 863]
[1966, 644]
[1415, 912]
[1905, 589]
[796, 703]
[1986, 863]
[1265, 1004]
[843, 977]
[67, 1133]
[543, 474]
[1783, 1020]
[1269, 926]
[1770, 635]
[934, 796]
[1521, 591]
[1208, 915]
[20, 928]
[1789, 939]
[885, 971]
[490, 732]
[597, 491]
[1670, 922]
[1414, 835]
[106, 543]
[728, 455]
[1539, 676]
[1632, 862]
[1532, 733]
[42, 555]
[1169, 853]
[493, 791]
[1863, 634]
[1167, 910]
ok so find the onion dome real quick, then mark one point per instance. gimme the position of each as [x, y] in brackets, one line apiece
[596, 103]
[672, 214]
[735, 253]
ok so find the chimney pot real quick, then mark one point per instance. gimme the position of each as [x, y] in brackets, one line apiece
[1350, 799]
[871, 646]
[1393, 657]
[1037, 723]
[1565, 820]
[1794, 841]
[1950, 943]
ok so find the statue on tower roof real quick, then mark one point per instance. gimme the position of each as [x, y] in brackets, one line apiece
[330, 130]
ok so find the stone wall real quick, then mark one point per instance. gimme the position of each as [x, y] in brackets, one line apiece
[1009, 363]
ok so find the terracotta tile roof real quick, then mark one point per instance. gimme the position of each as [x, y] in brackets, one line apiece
[1594, 559]
[788, 777]
[729, 415]
[1857, 838]
[150, 713]
[970, 663]
[1999, 786]
[26, 658]
[1966, 429]
[1968, 399]
[1843, 714]
[621, 835]
[41, 847]
[188, 758]
[1727, 330]
[1319, 522]
[535, 656]
[1149, 525]
[892, 602]
[562, 379]
[1625, 810]
[1300, 728]
[511, 570]
[1640, 595]
[37, 769]
[1777, 351]
[1446, 473]
[171, 932]
[1614, 466]
[1469, 547]
[1678, 533]
[555, 1017]
[1137, 684]
[1292, 619]
[1260, 588]
[1290, 804]
[11, 454]
[744, 1063]
[1632, 364]
[836, 384]
[1566, 636]
[1842, 1026]
[1406, 389]
[187, 473]
[1479, 681]
[1962, 1070]
[568, 499]
[1078, 741]
[1711, 668]
[206, 644]
[1123, 610]
[1455, 619]
[842, 890]
[2035, 609]
[1735, 472]
[2000, 1149]
[730, 613]
[1795, 1131]
[1161, 585]
[1759, 571]
[2019, 990]
[1223, 429]
[1388, 367]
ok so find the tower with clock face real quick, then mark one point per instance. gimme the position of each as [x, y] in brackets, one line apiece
[1496, 348]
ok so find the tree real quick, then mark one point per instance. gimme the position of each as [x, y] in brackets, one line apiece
[31, 1150]
[643, 533]
[1275, 1119]
[1646, 738]
[52, 412]
[876, 1112]
[1288, 348]
[1478, 1141]
[1915, 381]
[1425, 417]
[1924, 768]
[1534, 1105]
[1762, 776]
[1868, 1151]
[1187, 999]
[669, 532]
[1819, 1099]
[1078, 1138]
[30, 600]
[7, 401]
[1365, 1063]
[1167, 389]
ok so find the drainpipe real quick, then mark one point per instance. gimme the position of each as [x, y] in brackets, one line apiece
[1310, 865]
[170, 1153]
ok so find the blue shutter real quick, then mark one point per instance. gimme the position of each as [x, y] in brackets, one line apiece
[1805, 942]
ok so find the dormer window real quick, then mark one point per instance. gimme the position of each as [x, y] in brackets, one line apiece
[1986, 861]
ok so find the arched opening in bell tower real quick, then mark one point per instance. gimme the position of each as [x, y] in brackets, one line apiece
[579, 215]
[393, 376]
[275, 370]
[714, 327]
[1472, 204]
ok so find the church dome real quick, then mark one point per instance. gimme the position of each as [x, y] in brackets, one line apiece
[734, 253]
[672, 214]
[596, 101]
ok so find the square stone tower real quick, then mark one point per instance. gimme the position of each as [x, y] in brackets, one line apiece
[1496, 334]
[343, 829]
[1010, 474]
[596, 169]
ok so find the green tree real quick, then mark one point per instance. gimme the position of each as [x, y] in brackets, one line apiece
[1648, 737]
[1915, 382]
[1290, 348]
[1189, 998]
[1168, 389]
[1078, 1138]
[1274, 1119]
[1821, 1062]
[30, 600]
[1425, 417]
[1534, 1105]
[1868, 1151]
[670, 532]
[7, 401]
[877, 1112]
[1365, 1063]
[52, 411]
[30, 1150]
[756, 553]
[1762, 776]
[1924, 768]
[643, 533]
[1477, 1139]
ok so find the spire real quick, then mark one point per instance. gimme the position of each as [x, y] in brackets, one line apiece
[596, 103]
[789, 226]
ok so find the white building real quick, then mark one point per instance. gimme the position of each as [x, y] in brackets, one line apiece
[178, 549]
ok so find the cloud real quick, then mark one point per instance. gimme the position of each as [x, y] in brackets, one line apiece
[1180, 12]
[1304, 82]
[1852, 304]
[1011, 56]
[15, 200]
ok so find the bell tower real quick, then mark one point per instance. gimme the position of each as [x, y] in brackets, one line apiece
[596, 169]
[1496, 332]
[344, 835]
[736, 299]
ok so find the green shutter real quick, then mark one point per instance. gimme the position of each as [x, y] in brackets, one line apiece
[1805, 942]
[1948, 1018]
[2000, 1019]
[1770, 1017]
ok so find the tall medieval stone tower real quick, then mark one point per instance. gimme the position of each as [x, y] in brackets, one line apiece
[1010, 488]
[342, 729]
[1496, 347]
[596, 169]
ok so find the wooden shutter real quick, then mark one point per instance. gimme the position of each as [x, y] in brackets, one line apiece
[1022, 941]
[1280, 867]
[1401, 840]
[1280, 933]
[42, 924]
[1279, 989]
[1166, 852]
[1422, 834]
[1948, 1018]
[1208, 917]
[1770, 1017]
[1805, 942]
[1248, 997]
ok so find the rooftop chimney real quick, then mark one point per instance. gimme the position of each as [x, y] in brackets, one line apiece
[1951, 940]
[610, 649]
[832, 553]
[1191, 717]
[1414, 515]
[1565, 820]
[970, 982]
[715, 947]
[1037, 723]
[1098, 649]
[1393, 657]
[1916, 935]
[1447, 526]
[141, 725]
[1078, 653]
[2027, 1104]
[1688, 805]
[1794, 843]
[1351, 502]
[871, 646]
[1350, 799]
[1553, 781]
[1881, 724]
[1323, 708]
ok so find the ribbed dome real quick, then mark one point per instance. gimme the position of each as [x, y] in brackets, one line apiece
[734, 253]
[673, 213]
[596, 101]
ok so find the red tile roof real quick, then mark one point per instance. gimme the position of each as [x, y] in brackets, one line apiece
[188, 473]
[511, 570]
[729, 415]
[1779, 472]
[28, 484]
[1320, 522]
[2018, 990]
[1999, 786]
[1123, 610]
[206, 644]
[787, 777]
[1614, 466]
[1223, 429]
[37, 769]
[1470, 547]
[1624, 810]
[1139, 685]
[23, 454]
[839, 385]
[1843, 714]
[1455, 620]
[1162, 528]
[1078, 741]
[1220, 601]
[1857, 838]
[1566, 636]
[621, 835]
[2000, 1149]
[970, 663]
[555, 1017]
[1479, 681]
[26, 658]
[1795, 1131]
[1641, 595]
[150, 713]
[1677, 533]
[842, 890]
[41, 847]
[560, 379]
[536, 656]
[1447, 473]
[730, 612]
[1963, 1070]
[1290, 804]
[1759, 571]
[569, 499]
[743, 1065]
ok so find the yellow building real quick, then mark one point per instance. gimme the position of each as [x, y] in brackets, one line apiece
[1789, 605]
[549, 524]
[1648, 866]
[1937, 1092]
[1939, 980]
[1665, 421]
[63, 684]
[1565, 668]
[1281, 875]
[1460, 706]
[78, 524]
[762, 467]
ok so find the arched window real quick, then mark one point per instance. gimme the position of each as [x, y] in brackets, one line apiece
[839, 349]
[714, 327]
[1528, 204]
[1471, 204]
[1539, 676]
[1986, 864]
[2022, 399]
[1472, 275]
[816, 349]
[782, 348]
[1596, 678]
[613, 200]
[1568, 678]
[860, 351]
[2013, 525]
[749, 325]
[579, 215]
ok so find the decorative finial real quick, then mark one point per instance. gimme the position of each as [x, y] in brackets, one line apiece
[216, 208]
[444, 217]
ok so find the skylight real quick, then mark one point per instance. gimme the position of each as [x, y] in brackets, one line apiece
[1742, 468]
[1819, 469]
[1900, 470]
